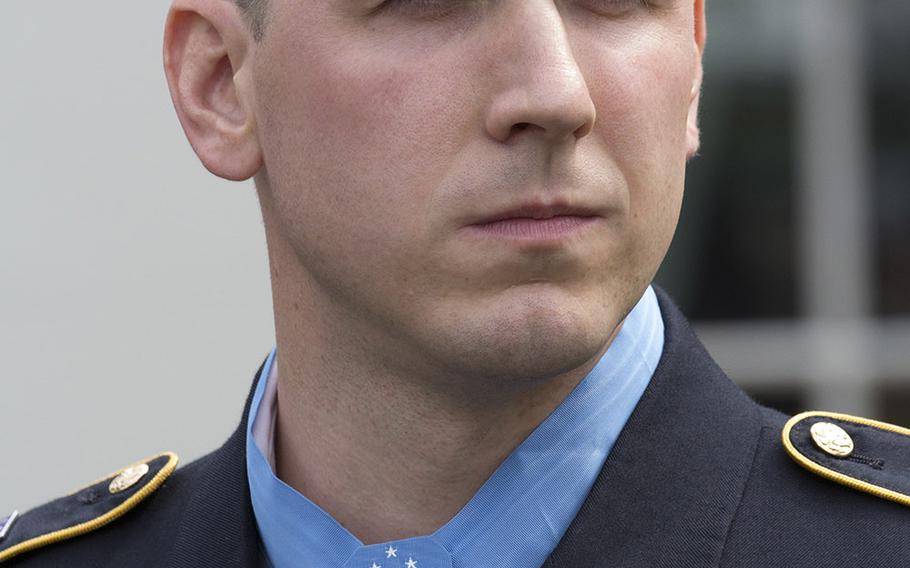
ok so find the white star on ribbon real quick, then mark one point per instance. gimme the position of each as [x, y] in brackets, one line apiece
[411, 563]
[391, 552]
[375, 565]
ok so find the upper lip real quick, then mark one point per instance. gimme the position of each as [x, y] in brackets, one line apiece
[539, 210]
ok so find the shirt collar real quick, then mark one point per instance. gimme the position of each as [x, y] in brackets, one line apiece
[520, 513]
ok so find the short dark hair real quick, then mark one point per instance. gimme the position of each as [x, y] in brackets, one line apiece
[255, 12]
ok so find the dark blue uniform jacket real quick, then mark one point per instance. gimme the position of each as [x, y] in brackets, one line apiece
[699, 477]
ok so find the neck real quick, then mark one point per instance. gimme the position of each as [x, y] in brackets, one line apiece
[391, 448]
[393, 455]
[389, 461]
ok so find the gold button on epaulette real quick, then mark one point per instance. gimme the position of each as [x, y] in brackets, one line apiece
[128, 477]
[832, 439]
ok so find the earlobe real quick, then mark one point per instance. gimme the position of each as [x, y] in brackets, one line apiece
[693, 133]
[205, 47]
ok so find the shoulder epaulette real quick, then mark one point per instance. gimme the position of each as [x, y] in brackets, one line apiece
[862, 454]
[86, 510]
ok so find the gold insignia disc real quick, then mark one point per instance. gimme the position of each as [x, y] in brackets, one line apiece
[128, 477]
[832, 439]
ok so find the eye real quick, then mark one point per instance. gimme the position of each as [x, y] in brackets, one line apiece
[435, 9]
[617, 7]
[423, 9]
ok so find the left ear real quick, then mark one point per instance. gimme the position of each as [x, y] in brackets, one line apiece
[207, 50]
[693, 133]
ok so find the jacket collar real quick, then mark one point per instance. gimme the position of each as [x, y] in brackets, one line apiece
[666, 496]
[218, 528]
[670, 488]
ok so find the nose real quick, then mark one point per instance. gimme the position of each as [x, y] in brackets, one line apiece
[540, 87]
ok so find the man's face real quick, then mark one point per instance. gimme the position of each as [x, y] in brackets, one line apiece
[393, 131]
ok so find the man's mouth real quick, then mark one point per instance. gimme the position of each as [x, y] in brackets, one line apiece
[536, 222]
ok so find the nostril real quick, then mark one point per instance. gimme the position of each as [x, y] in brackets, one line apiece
[521, 126]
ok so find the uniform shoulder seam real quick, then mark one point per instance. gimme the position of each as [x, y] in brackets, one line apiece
[127, 482]
[855, 452]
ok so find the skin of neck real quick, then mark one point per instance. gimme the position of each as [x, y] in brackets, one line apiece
[392, 447]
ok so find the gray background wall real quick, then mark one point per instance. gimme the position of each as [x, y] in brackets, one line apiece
[134, 296]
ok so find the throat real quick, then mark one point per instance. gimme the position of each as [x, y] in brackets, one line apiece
[403, 467]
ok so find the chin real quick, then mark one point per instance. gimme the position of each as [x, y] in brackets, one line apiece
[534, 339]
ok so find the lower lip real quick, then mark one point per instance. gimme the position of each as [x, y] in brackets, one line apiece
[527, 229]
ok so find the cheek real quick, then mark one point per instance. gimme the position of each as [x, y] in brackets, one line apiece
[642, 99]
[354, 147]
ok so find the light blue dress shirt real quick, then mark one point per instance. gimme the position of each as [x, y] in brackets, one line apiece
[521, 512]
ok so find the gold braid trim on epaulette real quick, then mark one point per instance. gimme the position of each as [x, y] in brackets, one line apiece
[86, 527]
[838, 477]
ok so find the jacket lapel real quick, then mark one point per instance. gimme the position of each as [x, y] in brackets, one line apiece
[670, 488]
[218, 529]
